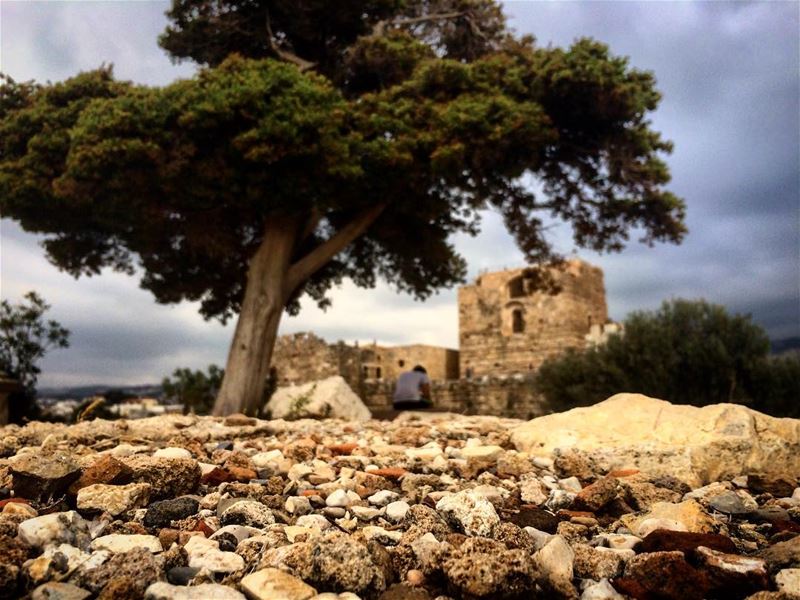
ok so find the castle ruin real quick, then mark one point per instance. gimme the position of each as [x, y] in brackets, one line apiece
[507, 329]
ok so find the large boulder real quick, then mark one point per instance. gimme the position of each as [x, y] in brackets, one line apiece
[697, 445]
[326, 398]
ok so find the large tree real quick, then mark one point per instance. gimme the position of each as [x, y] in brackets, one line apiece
[324, 140]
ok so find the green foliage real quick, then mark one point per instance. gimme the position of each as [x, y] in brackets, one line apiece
[196, 390]
[368, 133]
[686, 352]
[25, 337]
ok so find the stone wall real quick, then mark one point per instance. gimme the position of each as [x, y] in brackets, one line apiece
[511, 396]
[302, 357]
[504, 328]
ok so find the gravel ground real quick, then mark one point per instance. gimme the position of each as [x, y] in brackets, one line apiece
[208, 508]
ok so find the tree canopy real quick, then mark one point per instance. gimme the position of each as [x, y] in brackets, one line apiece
[320, 143]
[687, 352]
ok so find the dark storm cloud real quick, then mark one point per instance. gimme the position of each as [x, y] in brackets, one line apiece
[728, 72]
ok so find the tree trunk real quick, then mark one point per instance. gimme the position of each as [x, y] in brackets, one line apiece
[244, 382]
[271, 278]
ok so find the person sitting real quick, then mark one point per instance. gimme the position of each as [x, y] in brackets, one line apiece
[413, 390]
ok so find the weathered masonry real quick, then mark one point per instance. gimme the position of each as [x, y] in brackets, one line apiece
[506, 331]
[504, 328]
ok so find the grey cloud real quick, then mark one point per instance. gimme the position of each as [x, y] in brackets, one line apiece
[729, 75]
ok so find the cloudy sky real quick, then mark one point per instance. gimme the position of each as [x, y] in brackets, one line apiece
[729, 73]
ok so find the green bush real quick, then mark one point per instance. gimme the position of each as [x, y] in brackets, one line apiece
[687, 352]
[196, 390]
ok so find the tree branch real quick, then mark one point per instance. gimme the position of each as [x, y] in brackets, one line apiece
[302, 64]
[309, 264]
[380, 26]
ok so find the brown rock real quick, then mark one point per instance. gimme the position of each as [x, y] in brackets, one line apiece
[13, 551]
[533, 516]
[9, 576]
[594, 563]
[779, 487]
[402, 591]
[483, 568]
[664, 575]
[106, 469]
[122, 588]
[35, 475]
[596, 496]
[343, 449]
[242, 474]
[169, 477]
[167, 537]
[783, 555]
[393, 473]
[730, 575]
[137, 565]
[239, 420]
[665, 540]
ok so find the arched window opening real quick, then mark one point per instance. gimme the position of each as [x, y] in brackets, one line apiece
[517, 321]
[378, 373]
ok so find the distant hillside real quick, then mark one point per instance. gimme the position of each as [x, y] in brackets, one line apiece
[82, 391]
[790, 344]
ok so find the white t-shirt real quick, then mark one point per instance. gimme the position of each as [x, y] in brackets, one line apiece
[408, 384]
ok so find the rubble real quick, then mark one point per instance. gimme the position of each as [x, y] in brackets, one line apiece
[435, 508]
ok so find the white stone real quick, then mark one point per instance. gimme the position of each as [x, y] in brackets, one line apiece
[113, 499]
[65, 527]
[570, 484]
[297, 505]
[205, 554]
[383, 497]
[274, 584]
[330, 397]
[396, 511]
[602, 590]
[382, 536]
[366, 513]
[75, 557]
[696, 445]
[315, 521]
[533, 491]
[560, 499]
[292, 532]
[650, 525]
[59, 591]
[540, 538]
[299, 471]
[172, 453]
[267, 460]
[470, 512]
[248, 512]
[796, 494]
[424, 453]
[126, 450]
[342, 498]
[161, 590]
[117, 543]
[555, 562]
[240, 532]
[487, 453]
[621, 541]
[788, 581]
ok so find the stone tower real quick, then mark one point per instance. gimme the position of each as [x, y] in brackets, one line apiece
[504, 328]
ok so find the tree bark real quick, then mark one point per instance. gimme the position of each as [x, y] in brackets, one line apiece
[243, 385]
[271, 279]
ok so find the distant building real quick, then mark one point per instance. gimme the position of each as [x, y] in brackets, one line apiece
[506, 327]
